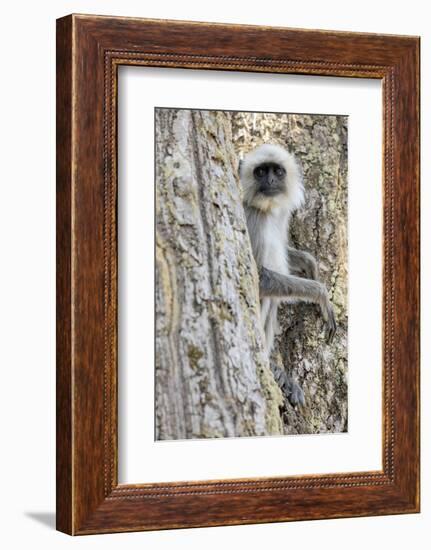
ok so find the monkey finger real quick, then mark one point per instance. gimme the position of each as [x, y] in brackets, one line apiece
[325, 313]
[332, 329]
[311, 271]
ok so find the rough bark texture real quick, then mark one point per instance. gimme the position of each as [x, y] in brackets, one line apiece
[320, 227]
[212, 376]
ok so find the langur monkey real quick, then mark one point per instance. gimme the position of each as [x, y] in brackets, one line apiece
[272, 190]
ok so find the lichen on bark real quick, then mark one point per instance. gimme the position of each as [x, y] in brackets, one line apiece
[212, 374]
[319, 142]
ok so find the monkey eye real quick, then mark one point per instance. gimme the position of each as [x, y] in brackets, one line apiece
[279, 172]
[260, 172]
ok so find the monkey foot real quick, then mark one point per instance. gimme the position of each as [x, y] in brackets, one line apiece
[291, 389]
[294, 393]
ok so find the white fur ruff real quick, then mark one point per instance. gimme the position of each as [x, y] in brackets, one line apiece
[269, 152]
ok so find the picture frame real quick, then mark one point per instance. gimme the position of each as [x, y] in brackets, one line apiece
[89, 51]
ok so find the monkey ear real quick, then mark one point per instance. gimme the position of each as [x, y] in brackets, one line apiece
[239, 166]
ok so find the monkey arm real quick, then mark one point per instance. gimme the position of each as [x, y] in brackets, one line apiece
[303, 263]
[276, 285]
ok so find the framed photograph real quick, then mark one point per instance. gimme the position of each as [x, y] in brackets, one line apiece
[237, 274]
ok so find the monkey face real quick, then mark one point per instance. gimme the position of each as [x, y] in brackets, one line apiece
[270, 179]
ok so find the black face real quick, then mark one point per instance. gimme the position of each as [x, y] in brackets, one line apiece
[270, 178]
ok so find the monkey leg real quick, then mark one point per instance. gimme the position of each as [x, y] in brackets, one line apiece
[276, 285]
[289, 386]
[271, 324]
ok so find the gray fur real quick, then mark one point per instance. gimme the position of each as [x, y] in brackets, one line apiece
[303, 264]
[285, 274]
[293, 288]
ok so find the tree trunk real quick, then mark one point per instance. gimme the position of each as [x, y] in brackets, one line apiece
[212, 376]
[320, 227]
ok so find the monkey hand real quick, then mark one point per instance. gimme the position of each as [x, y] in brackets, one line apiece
[308, 265]
[310, 268]
[328, 316]
[303, 264]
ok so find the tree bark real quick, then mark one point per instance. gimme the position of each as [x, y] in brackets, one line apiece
[320, 144]
[212, 375]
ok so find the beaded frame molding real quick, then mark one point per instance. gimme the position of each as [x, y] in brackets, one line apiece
[89, 51]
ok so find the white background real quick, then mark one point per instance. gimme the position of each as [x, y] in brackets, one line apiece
[141, 458]
[27, 277]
